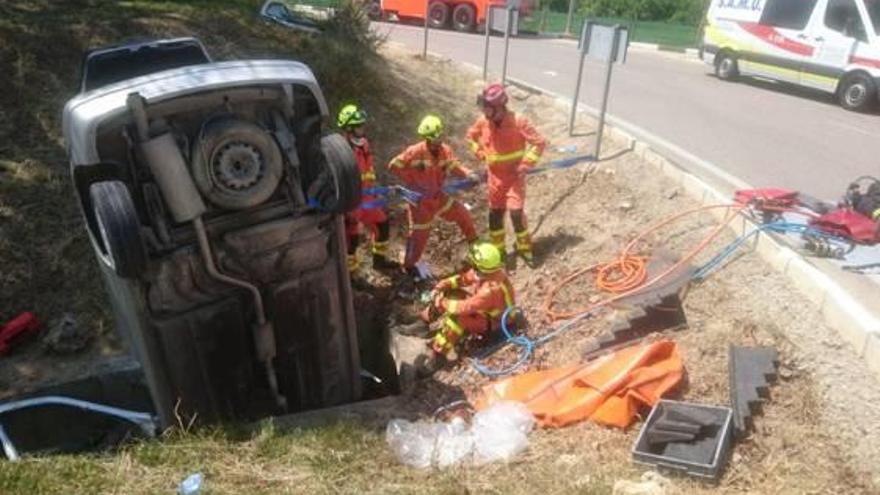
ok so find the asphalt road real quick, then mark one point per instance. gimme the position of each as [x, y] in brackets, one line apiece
[764, 133]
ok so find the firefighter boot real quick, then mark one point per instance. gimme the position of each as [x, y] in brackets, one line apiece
[524, 248]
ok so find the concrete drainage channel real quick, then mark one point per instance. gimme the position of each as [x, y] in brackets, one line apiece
[857, 324]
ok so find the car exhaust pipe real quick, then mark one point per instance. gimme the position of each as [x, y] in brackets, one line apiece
[172, 175]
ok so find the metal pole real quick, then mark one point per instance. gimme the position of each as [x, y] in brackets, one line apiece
[582, 50]
[570, 14]
[604, 107]
[486, 49]
[425, 41]
[506, 43]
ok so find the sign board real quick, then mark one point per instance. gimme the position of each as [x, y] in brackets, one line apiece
[597, 41]
[499, 19]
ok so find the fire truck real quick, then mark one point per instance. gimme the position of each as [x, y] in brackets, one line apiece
[461, 15]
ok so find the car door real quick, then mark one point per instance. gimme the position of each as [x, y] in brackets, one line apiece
[835, 33]
[779, 45]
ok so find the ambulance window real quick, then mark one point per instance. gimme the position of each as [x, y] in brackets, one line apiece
[843, 16]
[874, 13]
[788, 14]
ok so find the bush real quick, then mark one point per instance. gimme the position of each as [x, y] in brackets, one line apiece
[682, 11]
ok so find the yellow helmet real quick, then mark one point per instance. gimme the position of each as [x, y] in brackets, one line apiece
[485, 257]
[350, 116]
[431, 127]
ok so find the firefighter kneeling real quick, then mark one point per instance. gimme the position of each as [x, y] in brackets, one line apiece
[472, 302]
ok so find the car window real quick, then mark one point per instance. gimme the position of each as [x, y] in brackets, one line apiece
[788, 14]
[843, 17]
[874, 13]
[278, 11]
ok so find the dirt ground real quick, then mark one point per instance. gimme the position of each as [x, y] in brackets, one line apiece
[817, 433]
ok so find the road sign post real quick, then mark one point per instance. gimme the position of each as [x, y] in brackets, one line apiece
[585, 35]
[489, 16]
[507, 28]
[614, 55]
[608, 44]
[570, 15]
[425, 41]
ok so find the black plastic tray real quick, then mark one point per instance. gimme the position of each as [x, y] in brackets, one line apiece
[703, 458]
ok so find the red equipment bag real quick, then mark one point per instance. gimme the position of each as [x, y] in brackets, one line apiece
[849, 224]
[23, 324]
[769, 196]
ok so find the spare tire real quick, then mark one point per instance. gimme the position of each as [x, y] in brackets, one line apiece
[337, 188]
[118, 228]
[236, 164]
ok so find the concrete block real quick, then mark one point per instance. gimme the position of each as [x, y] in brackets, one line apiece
[872, 353]
[849, 318]
[807, 278]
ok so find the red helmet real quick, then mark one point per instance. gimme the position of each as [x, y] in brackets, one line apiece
[493, 96]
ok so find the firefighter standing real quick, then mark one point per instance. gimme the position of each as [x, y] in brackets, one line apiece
[487, 294]
[423, 167]
[510, 146]
[351, 121]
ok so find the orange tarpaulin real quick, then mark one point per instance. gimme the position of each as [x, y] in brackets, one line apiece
[609, 390]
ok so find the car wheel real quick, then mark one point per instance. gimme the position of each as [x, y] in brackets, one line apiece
[857, 92]
[464, 17]
[119, 229]
[726, 67]
[374, 10]
[438, 15]
[337, 189]
[236, 164]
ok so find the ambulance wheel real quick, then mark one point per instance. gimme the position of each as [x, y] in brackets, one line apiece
[726, 67]
[857, 92]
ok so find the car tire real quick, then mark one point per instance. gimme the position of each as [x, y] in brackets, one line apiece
[857, 92]
[438, 15]
[726, 67]
[118, 228]
[337, 189]
[236, 164]
[464, 17]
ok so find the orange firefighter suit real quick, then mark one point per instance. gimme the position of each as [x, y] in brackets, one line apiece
[425, 172]
[488, 295]
[374, 218]
[509, 149]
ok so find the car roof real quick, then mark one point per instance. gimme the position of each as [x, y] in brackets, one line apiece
[85, 112]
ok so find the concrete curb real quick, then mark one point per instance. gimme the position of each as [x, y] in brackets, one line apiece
[856, 324]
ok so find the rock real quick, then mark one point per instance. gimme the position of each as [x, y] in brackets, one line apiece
[66, 336]
[652, 484]
[625, 206]
[672, 194]
[406, 352]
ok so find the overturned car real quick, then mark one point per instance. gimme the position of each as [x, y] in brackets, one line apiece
[212, 198]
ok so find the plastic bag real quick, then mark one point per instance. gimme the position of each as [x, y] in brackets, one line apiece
[497, 433]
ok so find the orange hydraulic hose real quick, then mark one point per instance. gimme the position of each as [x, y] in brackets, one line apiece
[626, 274]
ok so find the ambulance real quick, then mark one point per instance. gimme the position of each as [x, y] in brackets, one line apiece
[829, 45]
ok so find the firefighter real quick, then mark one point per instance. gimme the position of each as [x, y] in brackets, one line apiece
[510, 146]
[471, 302]
[423, 167]
[351, 121]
